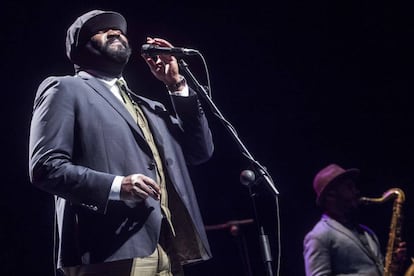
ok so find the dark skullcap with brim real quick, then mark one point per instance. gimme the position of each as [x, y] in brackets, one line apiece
[89, 24]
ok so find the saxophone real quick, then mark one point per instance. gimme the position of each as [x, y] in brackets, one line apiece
[410, 270]
[392, 266]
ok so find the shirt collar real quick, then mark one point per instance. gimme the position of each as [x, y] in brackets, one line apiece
[110, 82]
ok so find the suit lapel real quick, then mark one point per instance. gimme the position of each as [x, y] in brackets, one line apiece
[105, 93]
[339, 227]
[152, 112]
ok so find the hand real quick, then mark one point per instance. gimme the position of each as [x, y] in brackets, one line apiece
[401, 252]
[165, 67]
[399, 256]
[137, 187]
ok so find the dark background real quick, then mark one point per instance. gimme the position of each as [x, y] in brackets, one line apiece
[304, 83]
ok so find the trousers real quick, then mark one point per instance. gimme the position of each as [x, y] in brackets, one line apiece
[157, 264]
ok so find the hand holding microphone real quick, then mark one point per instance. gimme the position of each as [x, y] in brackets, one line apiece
[164, 67]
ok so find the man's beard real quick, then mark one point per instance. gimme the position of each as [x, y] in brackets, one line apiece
[117, 54]
[100, 57]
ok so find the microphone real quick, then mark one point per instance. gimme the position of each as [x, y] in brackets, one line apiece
[247, 177]
[153, 50]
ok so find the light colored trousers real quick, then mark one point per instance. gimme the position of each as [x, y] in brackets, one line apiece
[157, 264]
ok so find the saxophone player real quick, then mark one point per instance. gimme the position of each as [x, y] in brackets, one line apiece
[338, 244]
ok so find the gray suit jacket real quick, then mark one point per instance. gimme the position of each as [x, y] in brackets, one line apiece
[332, 249]
[81, 137]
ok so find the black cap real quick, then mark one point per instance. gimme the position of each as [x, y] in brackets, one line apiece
[87, 25]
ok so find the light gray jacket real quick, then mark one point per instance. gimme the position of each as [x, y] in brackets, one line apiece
[332, 249]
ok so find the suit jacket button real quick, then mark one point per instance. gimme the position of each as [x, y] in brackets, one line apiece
[169, 161]
[151, 166]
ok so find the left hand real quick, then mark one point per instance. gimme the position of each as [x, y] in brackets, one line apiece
[165, 68]
[401, 252]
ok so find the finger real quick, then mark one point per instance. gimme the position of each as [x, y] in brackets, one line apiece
[166, 59]
[135, 178]
[152, 191]
[145, 190]
[150, 62]
[153, 185]
[158, 42]
[148, 185]
[160, 63]
[147, 180]
[140, 193]
[161, 42]
[149, 59]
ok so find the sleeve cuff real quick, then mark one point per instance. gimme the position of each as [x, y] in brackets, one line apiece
[115, 193]
[183, 93]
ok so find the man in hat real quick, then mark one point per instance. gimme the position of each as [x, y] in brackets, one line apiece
[338, 244]
[117, 162]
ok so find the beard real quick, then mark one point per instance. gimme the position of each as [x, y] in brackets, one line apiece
[104, 57]
[119, 54]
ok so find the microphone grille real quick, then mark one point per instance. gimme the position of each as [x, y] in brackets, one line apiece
[247, 177]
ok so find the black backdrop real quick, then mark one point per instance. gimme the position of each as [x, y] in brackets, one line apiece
[305, 83]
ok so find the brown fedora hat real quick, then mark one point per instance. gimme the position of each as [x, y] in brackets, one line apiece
[328, 175]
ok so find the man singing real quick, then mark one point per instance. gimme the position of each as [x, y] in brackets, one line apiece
[117, 162]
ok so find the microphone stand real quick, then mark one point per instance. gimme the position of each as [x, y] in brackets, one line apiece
[259, 170]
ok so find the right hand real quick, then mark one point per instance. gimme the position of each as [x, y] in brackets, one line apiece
[165, 68]
[137, 187]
